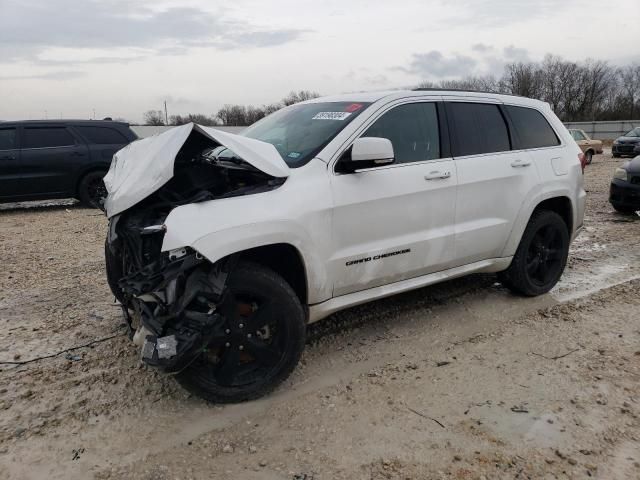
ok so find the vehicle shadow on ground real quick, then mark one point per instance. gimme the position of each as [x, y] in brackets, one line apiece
[39, 206]
[383, 310]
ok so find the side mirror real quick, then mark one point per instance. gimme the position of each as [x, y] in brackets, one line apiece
[368, 152]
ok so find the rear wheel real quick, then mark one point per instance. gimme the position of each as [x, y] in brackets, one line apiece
[541, 255]
[588, 157]
[258, 346]
[616, 155]
[91, 189]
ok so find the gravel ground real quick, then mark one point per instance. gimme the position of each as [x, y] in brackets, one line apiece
[460, 380]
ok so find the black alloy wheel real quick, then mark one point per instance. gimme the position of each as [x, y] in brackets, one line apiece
[541, 256]
[544, 257]
[258, 342]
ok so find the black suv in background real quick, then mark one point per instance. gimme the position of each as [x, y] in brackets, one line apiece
[44, 159]
[627, 144]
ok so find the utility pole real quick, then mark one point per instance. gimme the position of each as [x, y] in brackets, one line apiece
[166, 116]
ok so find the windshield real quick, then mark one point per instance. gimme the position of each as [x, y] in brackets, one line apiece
[633, 133]
[300, 131]
[577, 135]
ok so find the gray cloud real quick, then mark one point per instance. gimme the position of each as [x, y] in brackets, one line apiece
[435, 64]
[482, 48]
[59, 75]
[34, 26]
[515, 54]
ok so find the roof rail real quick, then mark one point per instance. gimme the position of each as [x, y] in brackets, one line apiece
[438, 89]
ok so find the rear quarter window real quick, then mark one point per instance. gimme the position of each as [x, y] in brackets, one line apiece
[102, 135]
[532, 130]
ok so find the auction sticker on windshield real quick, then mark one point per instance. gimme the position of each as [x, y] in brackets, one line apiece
[331, 116]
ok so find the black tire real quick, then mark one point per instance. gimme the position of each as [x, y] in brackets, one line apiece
[91, 189]
[616, 155]
[588, 157]
[541, 256]
[226, 375]
[114, 268]
[624, 208]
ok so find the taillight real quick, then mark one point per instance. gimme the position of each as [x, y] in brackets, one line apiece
[583, 160]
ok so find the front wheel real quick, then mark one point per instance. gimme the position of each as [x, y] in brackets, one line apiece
[260, 343]
[541, 255]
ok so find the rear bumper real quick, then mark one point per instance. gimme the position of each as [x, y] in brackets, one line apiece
[624, 194]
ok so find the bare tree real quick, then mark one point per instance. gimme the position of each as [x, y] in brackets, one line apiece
[299, 96]
[630, 87]
[198, 118]
[154, 117]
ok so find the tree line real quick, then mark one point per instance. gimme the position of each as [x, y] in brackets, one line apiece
[230, 115]
[577, 91]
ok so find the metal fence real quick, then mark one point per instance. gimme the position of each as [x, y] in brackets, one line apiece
[605, 130]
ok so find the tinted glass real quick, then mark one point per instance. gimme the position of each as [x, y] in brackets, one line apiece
[7, 138]
[47, 137]
[479, 128]
[532, 129]
[102, 135]
[300, 131]
[633, 133]
[413, 131]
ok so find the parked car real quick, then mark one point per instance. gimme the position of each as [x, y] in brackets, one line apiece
[44, 159]
[624, 193]
[588, 146]
[222, 256]
[625, 145]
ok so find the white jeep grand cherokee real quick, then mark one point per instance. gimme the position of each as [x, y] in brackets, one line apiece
[222, 248]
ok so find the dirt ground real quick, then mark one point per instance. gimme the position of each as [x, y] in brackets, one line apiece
[461, 380]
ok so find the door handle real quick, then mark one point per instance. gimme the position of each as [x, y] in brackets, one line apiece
[520, 163]
[437, 175]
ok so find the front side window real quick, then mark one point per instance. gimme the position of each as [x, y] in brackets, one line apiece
[102, 135]
[532, 129]
[43, 137]
[7, 138]
[412, 130]
[300, 131]
[478, 128]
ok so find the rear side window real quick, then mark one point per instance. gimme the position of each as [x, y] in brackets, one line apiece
[478, 128]
[102, 135]
[7, 138]
[413, 131]
[532, 129]
[47, 137]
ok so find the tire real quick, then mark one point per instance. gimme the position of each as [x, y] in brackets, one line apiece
[624, 208]
[271, 354]
[541, 256]
[588, 157]
[113, 266]
[615, 155]
[91, 189]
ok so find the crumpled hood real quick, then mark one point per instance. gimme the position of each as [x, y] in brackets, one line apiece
[142, 167]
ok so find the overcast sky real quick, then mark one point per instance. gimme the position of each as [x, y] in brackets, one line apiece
[122, 57]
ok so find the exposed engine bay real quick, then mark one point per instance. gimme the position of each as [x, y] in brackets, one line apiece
[172, 299]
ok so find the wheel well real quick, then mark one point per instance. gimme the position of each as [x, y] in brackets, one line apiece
[560, 205]
[590, 150]
[286, 261]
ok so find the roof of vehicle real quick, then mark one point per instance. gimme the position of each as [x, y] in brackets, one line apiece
[64, 121]
[371, 97]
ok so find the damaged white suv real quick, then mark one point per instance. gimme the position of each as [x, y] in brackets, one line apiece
[222, 248]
